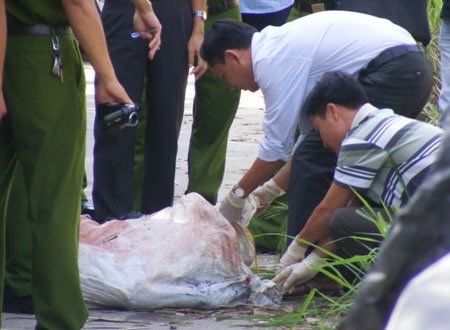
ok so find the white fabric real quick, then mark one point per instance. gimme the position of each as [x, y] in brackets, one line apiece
[444, 47]
[289, 60]
[362, 113]
[263, 6]
[185, 256]
[425, 302]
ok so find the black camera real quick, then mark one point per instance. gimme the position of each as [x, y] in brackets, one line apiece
[118, 114]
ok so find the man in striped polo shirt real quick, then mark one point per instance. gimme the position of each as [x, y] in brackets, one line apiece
[382, 156]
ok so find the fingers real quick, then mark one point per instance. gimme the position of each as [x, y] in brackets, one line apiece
[154, 45]
[290, 282]
[281, 278]
[199, 70]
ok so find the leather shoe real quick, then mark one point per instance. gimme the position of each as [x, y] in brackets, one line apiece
[126, 216]
[87, 209]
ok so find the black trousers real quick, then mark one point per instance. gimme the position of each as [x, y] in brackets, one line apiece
[353, 235]
[346, 224]
[164, 80]
[400, 78]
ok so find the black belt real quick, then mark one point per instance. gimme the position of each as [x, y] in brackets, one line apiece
[221, 6]
[38, 29]
[393, 52]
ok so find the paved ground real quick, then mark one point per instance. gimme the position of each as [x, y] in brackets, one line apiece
[242, 150]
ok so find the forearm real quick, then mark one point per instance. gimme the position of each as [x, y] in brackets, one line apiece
[2, 39]
[143, 6]
[198, 24]
[327, 246]
[316, 228]
[86, 24]
[258, 173]
[282, 176]
[317, 225]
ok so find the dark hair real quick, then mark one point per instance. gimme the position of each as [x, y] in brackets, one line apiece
[225, 34]
[334, 87]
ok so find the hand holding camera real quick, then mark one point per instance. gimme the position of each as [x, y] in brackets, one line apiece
[114, 114]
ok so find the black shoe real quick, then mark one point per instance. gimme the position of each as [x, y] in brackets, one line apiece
[87, 209]
[126, 216]
[14, 304]
[130, 215]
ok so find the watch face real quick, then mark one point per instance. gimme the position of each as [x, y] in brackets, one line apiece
[239, 192]
[201, 14]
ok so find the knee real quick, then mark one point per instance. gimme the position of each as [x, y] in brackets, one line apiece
[338, 226]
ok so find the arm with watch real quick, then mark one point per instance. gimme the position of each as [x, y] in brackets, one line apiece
[255, 182]
[195, 61]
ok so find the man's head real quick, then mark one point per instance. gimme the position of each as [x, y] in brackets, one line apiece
[332, 104]
[226, 49]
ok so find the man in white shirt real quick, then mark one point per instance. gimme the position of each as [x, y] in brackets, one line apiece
[285, 63]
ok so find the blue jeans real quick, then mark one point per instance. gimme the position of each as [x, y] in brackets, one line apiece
[444, 44]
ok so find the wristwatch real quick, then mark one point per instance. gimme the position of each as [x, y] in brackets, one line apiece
[200, 13]
[238, 191]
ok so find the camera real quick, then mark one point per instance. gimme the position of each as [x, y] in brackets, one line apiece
[114, 114]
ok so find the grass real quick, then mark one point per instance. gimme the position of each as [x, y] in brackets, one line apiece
[325, 310]
[320, 310]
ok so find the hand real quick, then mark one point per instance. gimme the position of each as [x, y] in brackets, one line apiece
[266, 195]
[3, 110]
[110, 91]
[231, 207]
[293, 254]
[298, 273]
[147, 24]
[195, 61]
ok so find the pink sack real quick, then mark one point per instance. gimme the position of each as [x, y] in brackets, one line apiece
[183, 256]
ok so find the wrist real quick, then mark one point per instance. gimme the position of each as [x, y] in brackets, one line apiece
[313, 259]
[105, 76]
[198, 26]
[296, 250]
[239, 191]
[235, 200]
[199, 15]
[143, 6]
[274, 189]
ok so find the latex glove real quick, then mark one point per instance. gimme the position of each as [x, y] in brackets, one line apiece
[266, 195]
[231, 207]
[293, 254]
[298, 273]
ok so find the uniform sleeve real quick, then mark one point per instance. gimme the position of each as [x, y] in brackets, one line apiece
[283, 83]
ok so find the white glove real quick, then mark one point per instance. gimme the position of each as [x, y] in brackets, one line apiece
[266, 195]
[231, 207]
[293, 254]
[298, 273]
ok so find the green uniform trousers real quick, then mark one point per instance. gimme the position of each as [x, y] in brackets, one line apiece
[45, 131]
[215, 106]
[18, 231]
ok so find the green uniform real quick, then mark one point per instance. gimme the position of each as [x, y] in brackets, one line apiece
[215, 106]
[45, 132]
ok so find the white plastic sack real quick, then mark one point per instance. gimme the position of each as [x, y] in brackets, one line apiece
[184, 256]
